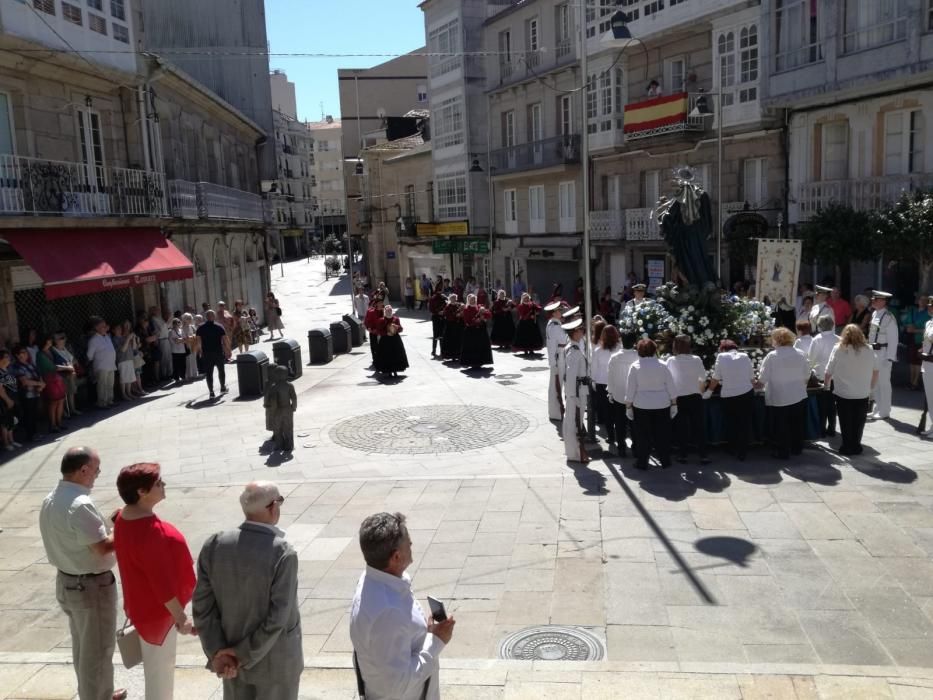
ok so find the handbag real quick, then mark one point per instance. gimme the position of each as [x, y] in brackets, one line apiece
[131, 650]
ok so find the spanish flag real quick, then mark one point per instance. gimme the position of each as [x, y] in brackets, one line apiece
[655, 112]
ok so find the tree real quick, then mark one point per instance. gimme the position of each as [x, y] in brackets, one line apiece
[839, 235]
[906, 231]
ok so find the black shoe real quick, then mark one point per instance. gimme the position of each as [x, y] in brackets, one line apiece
[223, 389]
[212, 395]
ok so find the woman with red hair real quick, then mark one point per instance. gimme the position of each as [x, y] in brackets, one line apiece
[157, 574]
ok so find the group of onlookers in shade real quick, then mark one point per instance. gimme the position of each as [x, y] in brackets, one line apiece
[243, 593]
[41, 375]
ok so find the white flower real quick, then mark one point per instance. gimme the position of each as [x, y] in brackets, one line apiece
[689, 329]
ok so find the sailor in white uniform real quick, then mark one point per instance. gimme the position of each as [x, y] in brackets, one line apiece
[576, 390]
[556, 339]
[820, 307]
[882, 336]
[638, 296]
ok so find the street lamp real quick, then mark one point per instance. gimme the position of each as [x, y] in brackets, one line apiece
[475, 167]
[702, 110]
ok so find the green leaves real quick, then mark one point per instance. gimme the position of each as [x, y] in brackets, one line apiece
[839, 235]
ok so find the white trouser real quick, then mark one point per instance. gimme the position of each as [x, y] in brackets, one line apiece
[104, 387]
[165, 363]
[569, 428]
[554, 390]
[882, 393]
[159, 667]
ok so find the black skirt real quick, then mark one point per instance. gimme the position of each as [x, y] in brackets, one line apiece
[437, 326]
[452, 341]
[476, 348]
[527, 336]
[391, 356]
[503, 329]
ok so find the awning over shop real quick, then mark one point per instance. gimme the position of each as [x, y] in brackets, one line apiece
[84, 261]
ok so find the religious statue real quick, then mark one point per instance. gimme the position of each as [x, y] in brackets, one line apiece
[280, 402]
[686, 222]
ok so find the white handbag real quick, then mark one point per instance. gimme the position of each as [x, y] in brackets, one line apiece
[131, 650]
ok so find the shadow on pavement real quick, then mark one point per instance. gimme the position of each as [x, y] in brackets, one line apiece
[203, 403]
[884, 471]
[591, 481]
[477, 372]
[734, 549]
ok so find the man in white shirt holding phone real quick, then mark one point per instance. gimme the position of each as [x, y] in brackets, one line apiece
[396, 649]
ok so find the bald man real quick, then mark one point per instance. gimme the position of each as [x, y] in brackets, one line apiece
[78, 543]
[245, 604]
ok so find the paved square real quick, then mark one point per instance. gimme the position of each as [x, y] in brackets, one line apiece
[806, 579]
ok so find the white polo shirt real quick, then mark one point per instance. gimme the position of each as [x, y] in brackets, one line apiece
[688, 371]
[734, 371]
[649, 384]
[70, 523]
[851, 370]
[784, 372]
[820, 350]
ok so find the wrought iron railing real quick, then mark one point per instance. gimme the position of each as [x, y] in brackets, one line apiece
[559, 150]
[183, 199]
[205, 200]
[641, 225]
[863, 194]
[36, 186]
[607, 225]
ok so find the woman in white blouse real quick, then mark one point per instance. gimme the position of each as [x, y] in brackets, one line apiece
[733, 370]
[851, 371]
[607, 347]
[652, 399]
[689, 378]
[784, 374]
[926, 360]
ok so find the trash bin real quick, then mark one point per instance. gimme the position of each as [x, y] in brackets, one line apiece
[320, 346]
[357, 333]
[287, 352]
[252, 372]
[340, 330]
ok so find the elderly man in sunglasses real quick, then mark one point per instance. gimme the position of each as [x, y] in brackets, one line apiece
[245, 604]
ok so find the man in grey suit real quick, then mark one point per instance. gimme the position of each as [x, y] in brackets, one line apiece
[245, 603]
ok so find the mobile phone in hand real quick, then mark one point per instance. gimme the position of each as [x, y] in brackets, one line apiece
[437, 609]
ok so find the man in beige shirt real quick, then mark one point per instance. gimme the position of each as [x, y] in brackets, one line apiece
[79, 544]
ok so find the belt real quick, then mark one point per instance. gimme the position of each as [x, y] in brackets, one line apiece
[102, 573]
[876, 346]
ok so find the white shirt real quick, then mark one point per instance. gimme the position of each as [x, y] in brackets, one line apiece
[618, 373]
[70, 523]
[803, 343]
[101, 353]
[784, 372]
[819, 352]
[821, 309]
[161, 328]
[851, 371]
[556, 339]
[395, 652]
[601, 358]
[883, 330]
[927, 347]
[575, 365]
[688, 371]
[733, 369]
[649, 384]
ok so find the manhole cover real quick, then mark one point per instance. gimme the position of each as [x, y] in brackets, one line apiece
[552, 643]
[429, 429]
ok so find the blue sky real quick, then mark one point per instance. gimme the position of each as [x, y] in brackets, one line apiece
[342, 27]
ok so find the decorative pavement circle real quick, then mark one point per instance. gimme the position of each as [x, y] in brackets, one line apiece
[429, 429]
[552, 643]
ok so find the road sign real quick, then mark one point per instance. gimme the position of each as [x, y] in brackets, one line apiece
[460, 246]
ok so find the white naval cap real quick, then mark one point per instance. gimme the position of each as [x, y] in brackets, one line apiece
[878, 294]
[553, 306]
[823, 290]
[570, 312]
[572, 325]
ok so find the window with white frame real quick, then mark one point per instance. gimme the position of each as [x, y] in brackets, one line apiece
[96, 23]
[565, 114]
[509, 211]
[72, 13]
[6, 125]
[451, 197]
[737, 54]
[444, 48]
[96, 5]
[422, 93]
[121, 33]
[508, 128]
[605, 101]
[903, 142]
[567, 206]
[118, 9]
[536, 210]
[91, 145]
[675, 74]
[725, 50]
[797, 33]
[46, 6]
[532, 42]
[868, 23]
[835, 151]
[651, 188]
[748, 63]
[592, 104]
[447, 122]
[505, 55]
[562, 30]
[755, 181]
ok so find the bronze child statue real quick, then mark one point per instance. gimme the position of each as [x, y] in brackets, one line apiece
[280, 403]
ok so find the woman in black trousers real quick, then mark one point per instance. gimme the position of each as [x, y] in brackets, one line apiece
[734, 372]
[784, 374]
[851, 369]
[652, 400]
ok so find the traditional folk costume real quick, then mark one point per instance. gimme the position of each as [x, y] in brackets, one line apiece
[436, 305]
[576, 390]
[556, 340]
[926, 359]
[527, 335]
[392, 358]
[476, 350]
[452, 340]
[503, 327]
[371, 322]
[882, 336]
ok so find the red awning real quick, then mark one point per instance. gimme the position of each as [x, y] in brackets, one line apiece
[84, 261]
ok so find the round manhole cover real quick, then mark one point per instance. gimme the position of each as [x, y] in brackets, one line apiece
[552, 643]
[429, 429]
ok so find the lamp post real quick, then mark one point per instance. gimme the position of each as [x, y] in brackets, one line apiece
[702, 110]
[475, 167]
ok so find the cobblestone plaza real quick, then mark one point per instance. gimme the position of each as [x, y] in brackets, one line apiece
[809, 579]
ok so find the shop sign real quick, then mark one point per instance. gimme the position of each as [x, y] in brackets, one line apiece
[446, 228]
[469, 246]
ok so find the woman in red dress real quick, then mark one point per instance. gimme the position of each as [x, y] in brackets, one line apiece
[503, 327]
[452, 342]
[371, 322]
[527, 334]
[392, 358]
[476, 350]
[157, 574]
